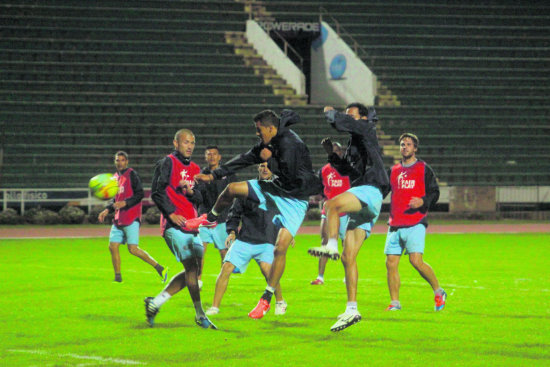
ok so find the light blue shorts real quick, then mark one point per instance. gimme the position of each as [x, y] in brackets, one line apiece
[371, 200]
[240, 254]
[290, 211]
[343, 225]
[216, 235]
[183, 245]
[410, 238]
[127, 234]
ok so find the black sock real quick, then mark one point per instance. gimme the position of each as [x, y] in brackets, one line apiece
[118, 277]
[211, 217]
[159, 268]
[267, 296]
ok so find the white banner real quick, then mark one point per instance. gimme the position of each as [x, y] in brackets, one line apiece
[338, 75]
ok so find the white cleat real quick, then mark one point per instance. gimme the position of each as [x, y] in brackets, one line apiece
[280, 308]
[345, 320]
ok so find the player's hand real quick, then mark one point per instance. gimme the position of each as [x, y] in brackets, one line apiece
[119, 205]
[293, 242]
[416, 202]
[328, 108]
[327, 145]
[265, 154]
[177, 219]
[102, 215]
[201, 177]
[230, 239]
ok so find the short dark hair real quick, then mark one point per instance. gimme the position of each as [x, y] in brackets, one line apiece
[361, 108]
[212, 147]
[412, 136]
[122, 153]
[267, 118]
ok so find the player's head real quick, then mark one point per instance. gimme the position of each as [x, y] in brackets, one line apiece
[338, 149]
[264, 173]
[408, 145]
[184, 142]
[121, 160]
[357, 110]
[267, 124]
[212, 156]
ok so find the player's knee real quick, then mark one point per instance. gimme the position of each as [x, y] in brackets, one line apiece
[346, 259]
[133, 249]
[416, 262]
[391, 263]
[113, 246]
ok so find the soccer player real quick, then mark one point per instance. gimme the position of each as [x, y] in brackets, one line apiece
[369, 180]
[414, 190]
[210, 192]
[127, 208]
[288, 193]
[173, 191]
[254, 240]
[333, 184]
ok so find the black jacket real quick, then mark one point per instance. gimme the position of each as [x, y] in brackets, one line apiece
[363, 158]
[290, 162]
[257, 224]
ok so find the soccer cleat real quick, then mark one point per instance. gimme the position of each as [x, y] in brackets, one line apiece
[212, 311]
[333, 254]
[317, 281]
[345, 320]
[164, 275]
[317, 251]
[150, 310]
[195, 223]
[280, 308]
[393, 308]
[440, 300]
[260, 310]
[205, 323]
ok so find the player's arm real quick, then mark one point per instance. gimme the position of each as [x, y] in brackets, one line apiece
[233, 221]
[432, 189]
[161, 179]
[239, 162]
[137, 189]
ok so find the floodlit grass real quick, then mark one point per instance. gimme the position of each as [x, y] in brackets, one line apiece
[60, 308]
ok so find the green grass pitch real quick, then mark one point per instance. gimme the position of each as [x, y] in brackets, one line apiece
[60, 308]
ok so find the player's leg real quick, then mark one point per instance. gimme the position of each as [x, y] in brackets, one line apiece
[115, 259]
[394, 281]
[284, 238]
[221, 287]
[352, 244]
[343, 203]
[280, 303]
[415, 242]
[116, 238]
[393, 250]
[316, 251]
[131, 233]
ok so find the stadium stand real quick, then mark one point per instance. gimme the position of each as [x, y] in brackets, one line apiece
[81, 80]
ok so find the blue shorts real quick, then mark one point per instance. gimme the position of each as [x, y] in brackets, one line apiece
[127, 234]
[216, 235]
[410, 238]
[371, 200]
[343, 225]
[183, 245]
[240, 254]
[290, 211]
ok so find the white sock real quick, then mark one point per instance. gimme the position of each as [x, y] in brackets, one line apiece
[332, 243]
[321, 277]
[161, 299]
[270, 289]
[351, 307]
[215, 309]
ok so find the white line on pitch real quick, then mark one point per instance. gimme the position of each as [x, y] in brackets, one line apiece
[77, 356]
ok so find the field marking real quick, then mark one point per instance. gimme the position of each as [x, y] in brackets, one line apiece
[78, 356]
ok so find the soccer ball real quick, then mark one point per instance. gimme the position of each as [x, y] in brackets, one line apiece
[104, 186]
